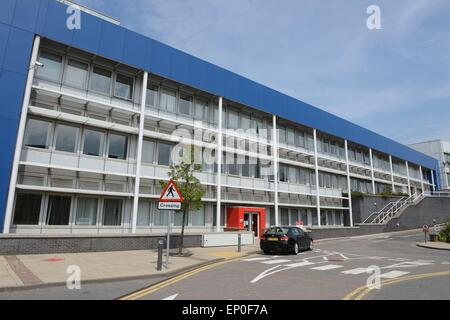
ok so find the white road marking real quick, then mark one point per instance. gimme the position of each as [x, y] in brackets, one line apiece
[356, 271]
[327, 267]
[409, 264]
[277, 261]
[399, 259]
[393, 274]
[255, 259]
[446, 262]
[298, 264]
[172, 297]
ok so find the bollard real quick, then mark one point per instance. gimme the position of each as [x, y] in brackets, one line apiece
[239, 242]
[160, 255]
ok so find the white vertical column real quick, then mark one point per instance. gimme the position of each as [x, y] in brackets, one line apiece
[432, 181]
[219, 166]
[275, 165]
[392, 173]
[349, 183]
[372, 174]
[137, 180]
[407, 174]
[421, 179]
[316, 168]
[20, 135]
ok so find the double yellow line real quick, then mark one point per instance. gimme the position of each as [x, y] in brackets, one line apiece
[153, 288]
[361, 292]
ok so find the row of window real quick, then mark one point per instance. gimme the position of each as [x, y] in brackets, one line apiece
[290, 216]
[381, 162]
[362, 186]
[358, 155]
[58, 210]
[332, 148]
[82, 75]
[297, 175]
[295, 137]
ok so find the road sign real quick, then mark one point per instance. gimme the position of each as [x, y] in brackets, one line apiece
[425, 228]
[169, 205]
[171, 193]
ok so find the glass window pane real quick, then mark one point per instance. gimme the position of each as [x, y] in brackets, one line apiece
[152, 96]
[198, 217]
[117, 146]
[51, 68]
[177, 217]
[314, 218]
[285, 217]
[168, 100]
[76, 74]
[37, 134]
[323, 218]
[201, 110]
[66, 138]
[304, 217]
[86, 212]
[148, 151]
[161, 217]
[58, 212]
[27, 210]
[112, 212]
[124, 87]
[294, 216]
[143, 218]
[93, 143]
[233, 119]
[185, 106]
[101, 80]
[164, 153]
[245, 122]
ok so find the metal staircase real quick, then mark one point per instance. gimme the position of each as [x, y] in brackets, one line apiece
[393, 209]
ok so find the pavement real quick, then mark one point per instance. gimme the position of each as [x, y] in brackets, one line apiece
[434, 245]
[40, 270]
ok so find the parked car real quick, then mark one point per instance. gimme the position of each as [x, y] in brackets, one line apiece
[285, 239]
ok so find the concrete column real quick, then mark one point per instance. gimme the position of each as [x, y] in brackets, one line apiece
[219, 166]
[372, 174]
[137, 180]
[409, 181]
[275, 166]
[392, 173]
[432, 181]
[20, 136]
[316, 168]
[421, 179]
[349, 183]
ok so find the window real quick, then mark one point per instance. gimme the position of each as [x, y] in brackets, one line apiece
[28, 209]
[37, 134]
[281, 134]
[198, 217]
[177, 217]
[52, 66]
[76, 74]
[112, 212]
[330, 218]
[323, 219]
[246, 168]
[148, 151]
[143, 217]
[58, 212]
[285, 217]
[152, 96]
[164, 153]
[233, 119]
[117, 146]
[66, 138]
[232, 166]
[161, 217]
[168, 100]
[185, 106]
[101, 80]
[245, 122]
[314, 219]
[86, 212]
[304, 217]
[290, 136]
[201, 110]
[338, 220]
[124, 87]
[294, 216]
[93, 143]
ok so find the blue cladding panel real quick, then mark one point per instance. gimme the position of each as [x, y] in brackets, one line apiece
[7, 11]
[88, 40]
[4, 185]
[11, 91]
[135, 44]
[25, 15]
[4, 35]
[17, 54]
[111, 34]
[55, 23]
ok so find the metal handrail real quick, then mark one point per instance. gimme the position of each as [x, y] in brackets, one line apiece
[394, 209]
[390, 204]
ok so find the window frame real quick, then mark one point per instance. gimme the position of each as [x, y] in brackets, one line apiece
[102, 143]
[41, 208]
[133, 85]
[111, 85]
[127, 145]
[87, 76]
[75, 211]
[50, 134]
[55, 138]
[47, 208]
[61, 67]
[121, 212]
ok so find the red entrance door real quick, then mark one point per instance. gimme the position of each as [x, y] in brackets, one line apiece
[247, 218]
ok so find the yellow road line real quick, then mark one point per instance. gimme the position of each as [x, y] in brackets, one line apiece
[144, 292]
[363, 291]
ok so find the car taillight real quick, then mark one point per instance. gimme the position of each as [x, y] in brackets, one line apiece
[263, 237]
[284, 238]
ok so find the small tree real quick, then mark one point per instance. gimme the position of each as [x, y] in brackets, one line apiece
[189, 185]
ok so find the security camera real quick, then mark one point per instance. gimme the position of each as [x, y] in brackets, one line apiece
[39, 64]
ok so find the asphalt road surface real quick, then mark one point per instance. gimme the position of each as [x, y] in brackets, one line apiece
[335, 269]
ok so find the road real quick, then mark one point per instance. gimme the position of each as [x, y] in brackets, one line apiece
[335, 269]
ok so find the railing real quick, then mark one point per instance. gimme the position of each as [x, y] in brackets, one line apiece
[390, 210]
[436, 194]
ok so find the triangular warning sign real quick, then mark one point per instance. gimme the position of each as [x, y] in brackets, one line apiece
[171, 193]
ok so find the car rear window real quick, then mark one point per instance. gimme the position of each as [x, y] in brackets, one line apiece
[277, 230]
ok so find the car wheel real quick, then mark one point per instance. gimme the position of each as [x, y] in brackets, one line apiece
[295, 249]
[311, 245]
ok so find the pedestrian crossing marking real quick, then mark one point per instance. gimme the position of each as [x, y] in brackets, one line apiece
[298, 264]
[275, 261]
[355, 271]
[256, 259]
[393, 274]
[327, 267]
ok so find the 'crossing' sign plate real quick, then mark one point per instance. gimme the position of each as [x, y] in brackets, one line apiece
[169, 205]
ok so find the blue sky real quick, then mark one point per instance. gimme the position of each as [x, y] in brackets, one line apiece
[394, 81]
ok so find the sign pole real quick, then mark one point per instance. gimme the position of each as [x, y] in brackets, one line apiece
[169, 222]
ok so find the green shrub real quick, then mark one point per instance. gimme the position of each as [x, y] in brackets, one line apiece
[357, 194]
[444, 235]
